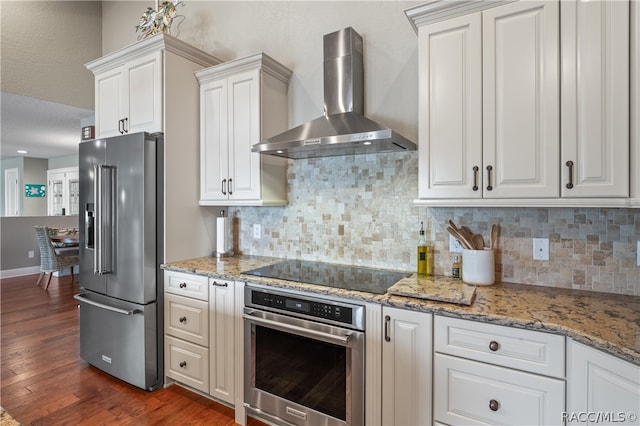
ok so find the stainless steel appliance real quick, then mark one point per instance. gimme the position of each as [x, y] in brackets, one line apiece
[346, 277]
[121, 241]
[303, 358]
[343, 129]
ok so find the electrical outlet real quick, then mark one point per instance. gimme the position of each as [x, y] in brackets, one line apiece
[541, 248]
[454, 245]
[257, 231]
[31, 254]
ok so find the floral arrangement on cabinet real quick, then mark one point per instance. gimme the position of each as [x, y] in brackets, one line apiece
[153, 21]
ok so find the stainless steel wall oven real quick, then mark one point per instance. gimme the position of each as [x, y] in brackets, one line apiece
[303, 358]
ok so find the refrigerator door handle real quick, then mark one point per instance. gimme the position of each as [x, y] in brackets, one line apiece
[80, 298]
[104, 220]
[97, 229]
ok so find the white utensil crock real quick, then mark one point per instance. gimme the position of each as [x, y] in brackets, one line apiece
[478, 267]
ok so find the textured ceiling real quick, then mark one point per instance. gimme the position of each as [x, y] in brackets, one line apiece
[43, 128]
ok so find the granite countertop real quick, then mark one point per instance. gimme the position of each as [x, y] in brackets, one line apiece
[609, 322]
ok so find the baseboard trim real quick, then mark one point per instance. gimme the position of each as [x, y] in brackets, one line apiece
[19, 272]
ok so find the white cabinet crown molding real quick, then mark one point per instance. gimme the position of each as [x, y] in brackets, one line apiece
[258, 60]
[144, 47]
[439, 10]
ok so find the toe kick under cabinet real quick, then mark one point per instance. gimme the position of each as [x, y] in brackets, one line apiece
[199, 333]
[491, 374]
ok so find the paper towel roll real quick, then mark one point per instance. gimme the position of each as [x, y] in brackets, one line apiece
[224, 239]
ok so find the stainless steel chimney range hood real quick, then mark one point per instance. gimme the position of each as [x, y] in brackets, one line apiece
[343, 129]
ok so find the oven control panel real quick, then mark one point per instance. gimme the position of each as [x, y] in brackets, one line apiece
[313, 308]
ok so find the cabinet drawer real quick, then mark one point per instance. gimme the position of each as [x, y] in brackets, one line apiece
[526, 350]
[189, 285]
[186, 319]
[472, 393]
[187, 363]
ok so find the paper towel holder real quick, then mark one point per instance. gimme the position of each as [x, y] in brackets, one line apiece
[224, 236]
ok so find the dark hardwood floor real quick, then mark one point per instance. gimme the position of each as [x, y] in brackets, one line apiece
[44, 382]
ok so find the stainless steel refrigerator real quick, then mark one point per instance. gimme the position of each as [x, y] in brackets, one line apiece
[121, 243]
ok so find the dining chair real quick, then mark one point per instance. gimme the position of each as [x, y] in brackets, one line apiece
[50, 260]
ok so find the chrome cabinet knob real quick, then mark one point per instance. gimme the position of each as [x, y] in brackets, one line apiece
[183, 319]
[183, 285]
[183, 364]
[494, 346]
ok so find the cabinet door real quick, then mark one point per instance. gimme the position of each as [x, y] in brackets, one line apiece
[222, 339]
[406, 367]
[110, 105]
[450, 122]
[473, 393]
[144, 94]
[244, 132]
[214, 163]
[521, 100]
[601, 384]
[595, 98]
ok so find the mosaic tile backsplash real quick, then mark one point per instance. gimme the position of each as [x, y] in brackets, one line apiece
[359, 210]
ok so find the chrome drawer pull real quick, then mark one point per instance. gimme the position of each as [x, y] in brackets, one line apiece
[183, 285]
[183, 364]
[217, 284]
[494, 346]
[183, 319]
[494, 405]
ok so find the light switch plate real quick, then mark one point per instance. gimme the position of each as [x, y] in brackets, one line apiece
[541, 248]
[454, 245]
[257, 231]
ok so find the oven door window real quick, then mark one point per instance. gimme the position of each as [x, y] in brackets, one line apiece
[302, 370]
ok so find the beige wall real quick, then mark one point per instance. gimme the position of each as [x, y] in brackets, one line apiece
[19, 237]
[45, 45]
[291, 32]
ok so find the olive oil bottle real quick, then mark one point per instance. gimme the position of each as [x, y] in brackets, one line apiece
[425, 254]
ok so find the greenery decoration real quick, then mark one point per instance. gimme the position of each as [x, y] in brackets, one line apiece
[158, 21]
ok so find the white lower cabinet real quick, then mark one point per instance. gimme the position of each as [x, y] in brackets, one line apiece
[186, 329]
[199, 326]
[474, 393]
[492, 374]
[602, 389]
[406, 367]
[187, 363]
[222, 339]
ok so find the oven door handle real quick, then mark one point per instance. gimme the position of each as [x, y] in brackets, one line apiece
[306, 332]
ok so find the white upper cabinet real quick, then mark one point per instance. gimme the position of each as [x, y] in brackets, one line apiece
[528, 103]
[129, 97]
[520, 100]
[595, 98]
[489, 99]
[450, 124]
[241, 103]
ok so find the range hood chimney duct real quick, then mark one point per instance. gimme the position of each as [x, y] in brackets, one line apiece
[343, 129]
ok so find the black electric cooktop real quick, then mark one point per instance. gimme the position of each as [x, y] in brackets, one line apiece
[331, 275]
